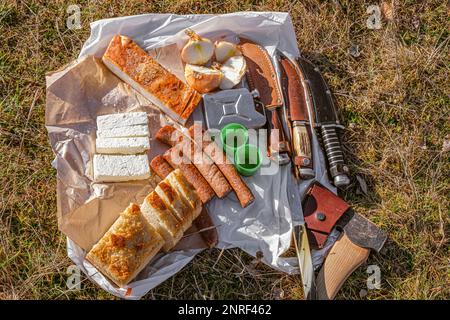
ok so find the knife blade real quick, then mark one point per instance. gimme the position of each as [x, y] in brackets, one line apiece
[295, 98]
[305, 262]
[326, 121]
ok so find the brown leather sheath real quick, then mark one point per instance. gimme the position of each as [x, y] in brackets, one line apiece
[261, 75]
[321, 210]
[292, 83]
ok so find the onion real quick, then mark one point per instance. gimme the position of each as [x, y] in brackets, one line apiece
[233, 70]
[202, 79]
[225, 50]
[197, 50]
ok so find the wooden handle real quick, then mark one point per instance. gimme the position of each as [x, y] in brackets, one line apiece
[344, 258]
[302, 146]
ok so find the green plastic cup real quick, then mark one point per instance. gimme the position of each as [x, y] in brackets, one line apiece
[233, 136]
[247, 159]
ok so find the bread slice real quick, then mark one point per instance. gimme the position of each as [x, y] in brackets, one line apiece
[186, 191]
[137, 68]
[202, 187]
[162, 219]
[126, 248]
[176, 203]
[130, 145]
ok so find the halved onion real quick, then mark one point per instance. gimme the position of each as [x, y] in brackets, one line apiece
[202, 79]
[233, 70]
[197, 50]
[225, 50]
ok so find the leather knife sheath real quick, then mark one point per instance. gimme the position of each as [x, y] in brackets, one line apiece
[295, 100]
[261, 75]
[321, 209]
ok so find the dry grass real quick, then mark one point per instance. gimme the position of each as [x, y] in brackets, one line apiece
[394, 99]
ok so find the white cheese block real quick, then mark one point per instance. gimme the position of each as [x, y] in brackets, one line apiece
[118, 120]
[122, 145]
[122, 132]
[115, 168]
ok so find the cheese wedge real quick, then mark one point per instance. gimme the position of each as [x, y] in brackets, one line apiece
[126, 248]
[122, 145]
[124, 132]
[118, 120]
[116, 168]
[162, 219]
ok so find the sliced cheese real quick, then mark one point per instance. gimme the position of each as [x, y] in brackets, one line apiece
[116, 168]
[122, 145]
[123, 132]
[118, 120]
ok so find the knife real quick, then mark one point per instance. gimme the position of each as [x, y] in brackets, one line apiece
[304, 257]
[326, 121]
[262, 76]
[297, 102]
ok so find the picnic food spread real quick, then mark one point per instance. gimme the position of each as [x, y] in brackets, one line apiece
[238, 88]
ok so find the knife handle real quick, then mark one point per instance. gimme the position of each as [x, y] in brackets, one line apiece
[301, 141]
[333, 150]
[344, 258]
[278, 145]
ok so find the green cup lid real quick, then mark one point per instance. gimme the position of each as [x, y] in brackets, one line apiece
[247, 159]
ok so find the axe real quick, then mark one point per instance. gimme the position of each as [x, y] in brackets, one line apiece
[324, 210]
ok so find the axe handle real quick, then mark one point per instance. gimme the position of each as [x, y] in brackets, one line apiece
[344, 258]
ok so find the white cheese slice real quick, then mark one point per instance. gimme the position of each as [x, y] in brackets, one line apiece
[118, 120]
[115, 168]
[122, 145]
[122, 132]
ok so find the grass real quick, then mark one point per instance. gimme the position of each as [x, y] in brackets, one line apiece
[394, 100]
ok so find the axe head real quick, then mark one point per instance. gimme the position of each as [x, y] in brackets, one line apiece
[361, 231]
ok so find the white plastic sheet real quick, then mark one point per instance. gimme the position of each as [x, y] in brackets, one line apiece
[266, 225]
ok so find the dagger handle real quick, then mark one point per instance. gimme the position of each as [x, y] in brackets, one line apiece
[333, 150]
[301, 141]
[278, 145]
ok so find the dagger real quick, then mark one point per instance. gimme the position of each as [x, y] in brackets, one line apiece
[326, 121]
[296, 100]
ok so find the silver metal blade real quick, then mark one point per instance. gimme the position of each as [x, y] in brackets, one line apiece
[305, 262]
